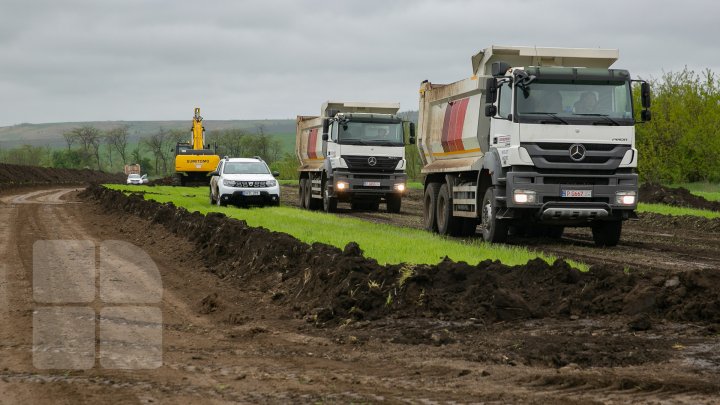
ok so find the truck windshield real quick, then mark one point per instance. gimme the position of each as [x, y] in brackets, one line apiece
[371, 133]
[245, 168]
[574, 103]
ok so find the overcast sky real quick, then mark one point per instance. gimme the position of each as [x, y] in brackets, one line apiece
[156, 60]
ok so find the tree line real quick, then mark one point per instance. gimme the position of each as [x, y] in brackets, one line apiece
[90, 147]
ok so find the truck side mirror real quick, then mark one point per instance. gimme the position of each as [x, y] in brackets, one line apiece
[215, 173]
[645, 115]
[411, 140]
[275, 173]
[490, 90]
[490, 110]
[645, 94]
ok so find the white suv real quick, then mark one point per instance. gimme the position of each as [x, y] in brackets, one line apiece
[244, 181]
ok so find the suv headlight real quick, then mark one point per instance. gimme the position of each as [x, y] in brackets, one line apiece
[271, 183]
[229, 183]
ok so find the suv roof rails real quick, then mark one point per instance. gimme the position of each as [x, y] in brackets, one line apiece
[258, 158]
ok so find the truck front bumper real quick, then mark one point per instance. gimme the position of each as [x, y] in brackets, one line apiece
[347, 183]
[570, 198]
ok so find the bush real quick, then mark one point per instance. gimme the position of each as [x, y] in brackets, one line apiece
[680, 144]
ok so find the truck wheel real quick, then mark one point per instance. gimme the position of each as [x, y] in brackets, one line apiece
[430, 207]
[447, 224]
[212, 199]
[308, 194]
[302, 191]
[494, 230]
[607, 233]
[329, 203]
[393, 203]
[313, 204]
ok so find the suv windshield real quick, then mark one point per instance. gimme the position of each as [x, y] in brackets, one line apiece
[608, 103]
[134, 176]
[371, 133]
[245, 168]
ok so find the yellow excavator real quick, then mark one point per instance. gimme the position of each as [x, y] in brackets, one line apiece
[194, 160]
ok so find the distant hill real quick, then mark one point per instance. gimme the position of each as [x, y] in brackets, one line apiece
[51, 134]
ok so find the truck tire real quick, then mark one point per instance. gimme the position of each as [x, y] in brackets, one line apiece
[313, 204]
[607, 233]
[447, 224]
[430, 207]
[308, 194]
[301, 192]
[212, 199]
[393, 203]
[329, 203]
[494, 230]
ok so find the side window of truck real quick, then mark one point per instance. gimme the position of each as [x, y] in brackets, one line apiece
[505, 103]
[334, 132]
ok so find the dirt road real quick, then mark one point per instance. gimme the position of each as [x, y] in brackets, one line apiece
[225, 341]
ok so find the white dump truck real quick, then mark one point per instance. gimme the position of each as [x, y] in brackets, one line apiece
[353, 152]
[536, 140]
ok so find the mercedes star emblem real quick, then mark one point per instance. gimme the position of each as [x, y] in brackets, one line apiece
[372, 161]
[577, 152]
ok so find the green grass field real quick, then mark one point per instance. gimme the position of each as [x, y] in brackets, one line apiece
[709, 191]
[385, 243]
[676, 211]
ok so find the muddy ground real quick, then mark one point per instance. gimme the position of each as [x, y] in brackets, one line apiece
[255, 316]
[14, 176]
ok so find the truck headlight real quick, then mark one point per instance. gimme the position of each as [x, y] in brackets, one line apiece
[625, 197]
[400, 187]
[524, 196]
[271, 183]
[229, 183]
[341, 185]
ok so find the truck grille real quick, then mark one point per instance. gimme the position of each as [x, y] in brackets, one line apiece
[557, 155]
[362, 163]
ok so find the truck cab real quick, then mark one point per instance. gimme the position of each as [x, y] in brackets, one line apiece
[537, 139]
[355, 153]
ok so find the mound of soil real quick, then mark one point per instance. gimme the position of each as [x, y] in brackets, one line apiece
[330, 286]
[12, 176]
[679, 197]
[165, 181]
